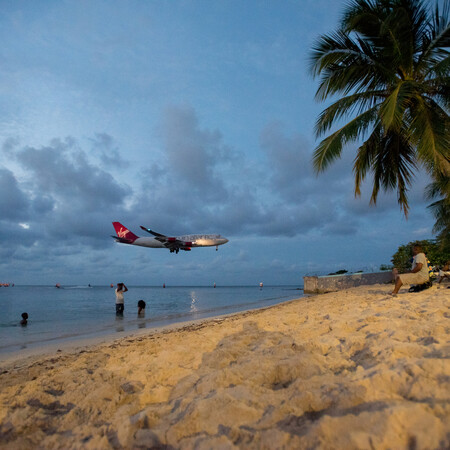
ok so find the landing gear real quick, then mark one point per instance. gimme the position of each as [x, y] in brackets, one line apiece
[217, 248]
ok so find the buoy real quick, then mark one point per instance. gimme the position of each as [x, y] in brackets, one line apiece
[164, 285]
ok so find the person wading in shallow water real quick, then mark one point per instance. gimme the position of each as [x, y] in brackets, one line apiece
[120, 290]
[141, 308]
[24, 320]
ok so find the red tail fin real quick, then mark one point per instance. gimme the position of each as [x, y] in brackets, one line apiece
[124, 233]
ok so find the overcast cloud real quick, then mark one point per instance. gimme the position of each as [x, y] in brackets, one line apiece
[187, 118]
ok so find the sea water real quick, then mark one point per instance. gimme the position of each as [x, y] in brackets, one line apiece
[78, 312]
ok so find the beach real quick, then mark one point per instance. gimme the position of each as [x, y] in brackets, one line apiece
[353, 369]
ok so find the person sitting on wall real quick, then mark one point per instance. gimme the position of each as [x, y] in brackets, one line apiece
[418, 274]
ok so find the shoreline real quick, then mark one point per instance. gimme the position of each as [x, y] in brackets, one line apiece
[69, 345]
[348, 370]
[56, 325]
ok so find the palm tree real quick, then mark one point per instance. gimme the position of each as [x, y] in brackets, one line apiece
[439, 190]
[389, 64]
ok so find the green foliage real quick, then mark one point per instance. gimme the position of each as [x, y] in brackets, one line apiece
[386, 267]
[402, 258]
[388, 64]
[432, 249]
[439, 191]
[443, 240]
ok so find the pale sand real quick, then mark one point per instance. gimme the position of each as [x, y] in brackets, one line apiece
[347, 370]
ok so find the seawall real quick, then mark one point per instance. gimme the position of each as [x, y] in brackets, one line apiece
[332, 283]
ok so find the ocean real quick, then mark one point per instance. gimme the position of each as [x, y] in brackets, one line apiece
[78, 312]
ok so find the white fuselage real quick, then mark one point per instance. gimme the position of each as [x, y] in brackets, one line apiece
[193, 240]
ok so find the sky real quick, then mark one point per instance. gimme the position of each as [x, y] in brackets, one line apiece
[186, 117]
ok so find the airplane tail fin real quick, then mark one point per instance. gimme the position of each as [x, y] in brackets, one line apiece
[124, 235]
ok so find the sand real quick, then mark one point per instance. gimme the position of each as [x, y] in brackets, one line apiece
[356, 369]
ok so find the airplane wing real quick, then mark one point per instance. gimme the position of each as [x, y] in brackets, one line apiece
[153, 232]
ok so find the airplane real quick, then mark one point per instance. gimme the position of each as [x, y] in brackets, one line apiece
[174, 244]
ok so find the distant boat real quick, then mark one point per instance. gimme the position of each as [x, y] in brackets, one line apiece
[214, 284]
[57, 285]
[261, 285]
[111, 285]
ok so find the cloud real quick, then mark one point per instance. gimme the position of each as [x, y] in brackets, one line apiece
[105, 146]
[203, 183]
[9, 145]
[64, 172]
[66, 200]
[289, 160]
[193, 155]
[189, 182]
[292, 175]
[198, 183]
[14, 204]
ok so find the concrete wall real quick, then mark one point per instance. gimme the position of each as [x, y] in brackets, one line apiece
[331, 283]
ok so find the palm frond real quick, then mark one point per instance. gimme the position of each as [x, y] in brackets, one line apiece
[364, 157]
[438, 66]
[440, 187]
[435, 37]
[346, 106]
[430, 133]
[441, 213]
[330, 148]
[390, 62]
[351, 78]
[437, 92]
[345, 64]
[392, 167]
[393, 109]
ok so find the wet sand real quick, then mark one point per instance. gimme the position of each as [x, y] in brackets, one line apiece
[354, 369]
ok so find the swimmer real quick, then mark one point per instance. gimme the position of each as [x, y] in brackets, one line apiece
[24, 320]
[141, 307]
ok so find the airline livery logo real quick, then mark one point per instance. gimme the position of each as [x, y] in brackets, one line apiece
[122, 233]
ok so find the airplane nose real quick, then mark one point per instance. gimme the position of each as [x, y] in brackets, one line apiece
[225, 240]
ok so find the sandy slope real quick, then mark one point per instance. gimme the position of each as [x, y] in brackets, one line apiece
[354, 369]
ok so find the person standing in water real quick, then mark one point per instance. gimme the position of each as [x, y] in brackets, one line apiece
[120, 305]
